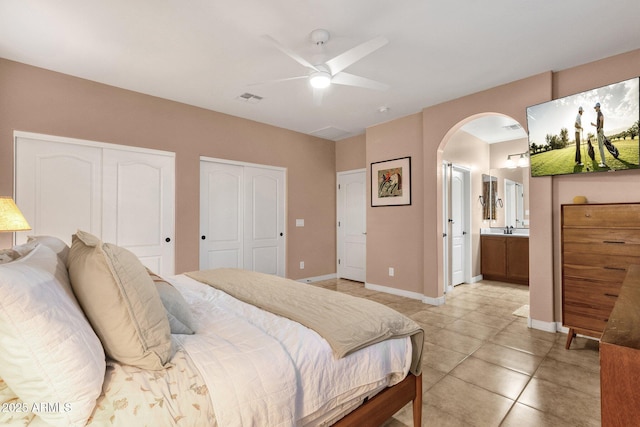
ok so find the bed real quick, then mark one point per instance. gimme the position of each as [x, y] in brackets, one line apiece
[90, 337]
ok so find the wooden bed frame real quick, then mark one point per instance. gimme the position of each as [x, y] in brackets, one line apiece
[383, 405]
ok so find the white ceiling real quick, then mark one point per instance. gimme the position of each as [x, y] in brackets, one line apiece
[209, 52]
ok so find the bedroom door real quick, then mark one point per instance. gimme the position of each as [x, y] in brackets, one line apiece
[242, 216]
[352, 225]
[121, 194]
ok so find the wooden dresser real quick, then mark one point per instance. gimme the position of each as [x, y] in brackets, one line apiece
[599, 243]
[620, 357]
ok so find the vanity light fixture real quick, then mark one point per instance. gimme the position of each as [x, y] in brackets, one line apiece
[523, 160]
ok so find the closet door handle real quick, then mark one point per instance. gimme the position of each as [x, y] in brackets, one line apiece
[168, 239]
[203, 237]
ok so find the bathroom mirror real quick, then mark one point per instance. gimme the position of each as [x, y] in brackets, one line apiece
[488, 197]
[508, 197]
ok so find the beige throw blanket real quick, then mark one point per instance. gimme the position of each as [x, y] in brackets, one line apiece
[347, 323]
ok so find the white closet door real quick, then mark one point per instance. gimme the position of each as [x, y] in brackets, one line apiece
[221, 213]
[58, 188]
[242, 217]
[138, 206]
[264, 220]
[123, 196]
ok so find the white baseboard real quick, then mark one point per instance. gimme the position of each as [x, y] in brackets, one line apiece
[476, 278]
[542, 325]
[394, 291]
[317, 278]
[433, 301]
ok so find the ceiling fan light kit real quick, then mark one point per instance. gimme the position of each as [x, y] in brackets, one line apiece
[320, 79]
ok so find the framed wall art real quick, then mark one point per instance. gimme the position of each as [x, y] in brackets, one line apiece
[391, 182]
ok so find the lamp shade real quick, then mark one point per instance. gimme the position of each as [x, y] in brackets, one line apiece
[11, 219]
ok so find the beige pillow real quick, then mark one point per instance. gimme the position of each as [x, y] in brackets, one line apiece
[178, 311]
[121, 302]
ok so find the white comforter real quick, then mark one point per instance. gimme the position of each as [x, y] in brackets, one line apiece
[262, 369]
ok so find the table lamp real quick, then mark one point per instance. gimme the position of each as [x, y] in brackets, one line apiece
[11, 219]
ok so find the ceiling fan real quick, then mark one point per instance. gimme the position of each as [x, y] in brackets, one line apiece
[331, 72]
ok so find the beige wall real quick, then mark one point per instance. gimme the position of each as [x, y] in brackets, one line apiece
[36, 100]
[351, 153]
[394, 233]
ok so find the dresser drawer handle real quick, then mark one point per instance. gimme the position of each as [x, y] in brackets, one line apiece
[611, 295]
[617, 242]
[615, 268]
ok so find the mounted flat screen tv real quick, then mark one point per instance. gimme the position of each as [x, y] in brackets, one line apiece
[556, 149]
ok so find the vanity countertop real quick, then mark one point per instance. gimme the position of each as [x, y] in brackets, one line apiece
[500, 231]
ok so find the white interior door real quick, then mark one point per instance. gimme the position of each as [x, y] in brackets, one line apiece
[352, 225]
[456, 182]
[242, 217]
[457, 228]
[139, 196]
[221, 215]
[264, 220]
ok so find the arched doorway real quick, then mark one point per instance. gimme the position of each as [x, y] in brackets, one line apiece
[481, 145]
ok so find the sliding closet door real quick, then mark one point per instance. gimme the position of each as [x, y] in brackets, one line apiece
[221, 215]
[139, 197]
[264, 220]
[121, 194]
[242, 220]
[58, 188]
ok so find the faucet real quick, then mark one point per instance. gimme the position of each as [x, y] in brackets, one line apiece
[508, 230]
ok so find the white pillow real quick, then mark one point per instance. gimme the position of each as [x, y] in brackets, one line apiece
[49, 353]
[56, 244]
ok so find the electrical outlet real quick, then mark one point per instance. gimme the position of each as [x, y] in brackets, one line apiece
[301, 265]
[391, 271]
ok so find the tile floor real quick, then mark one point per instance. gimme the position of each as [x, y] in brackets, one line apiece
[482, 365]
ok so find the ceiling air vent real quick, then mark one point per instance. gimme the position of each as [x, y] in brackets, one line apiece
[249, 97]
[515, 126]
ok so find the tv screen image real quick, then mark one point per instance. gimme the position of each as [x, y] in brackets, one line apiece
[605, 137]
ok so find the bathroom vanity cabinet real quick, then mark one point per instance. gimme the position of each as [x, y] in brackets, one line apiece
[505, 258]
[599, 243]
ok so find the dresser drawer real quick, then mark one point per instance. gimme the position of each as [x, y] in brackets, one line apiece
[609, 215]
[580, 321]
[590, 293]
[594, 273]
[617, 236]
[605, 260]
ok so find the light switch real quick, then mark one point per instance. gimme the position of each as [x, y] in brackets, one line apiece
[299, 222]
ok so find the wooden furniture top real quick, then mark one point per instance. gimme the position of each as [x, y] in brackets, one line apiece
[623, 326]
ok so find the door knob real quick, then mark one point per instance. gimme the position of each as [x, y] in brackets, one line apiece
[203, 237]
[168, 239]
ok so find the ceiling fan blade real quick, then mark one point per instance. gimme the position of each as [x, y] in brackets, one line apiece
[278, 80]
[355, 54]
[299, 59]
[353, 80]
